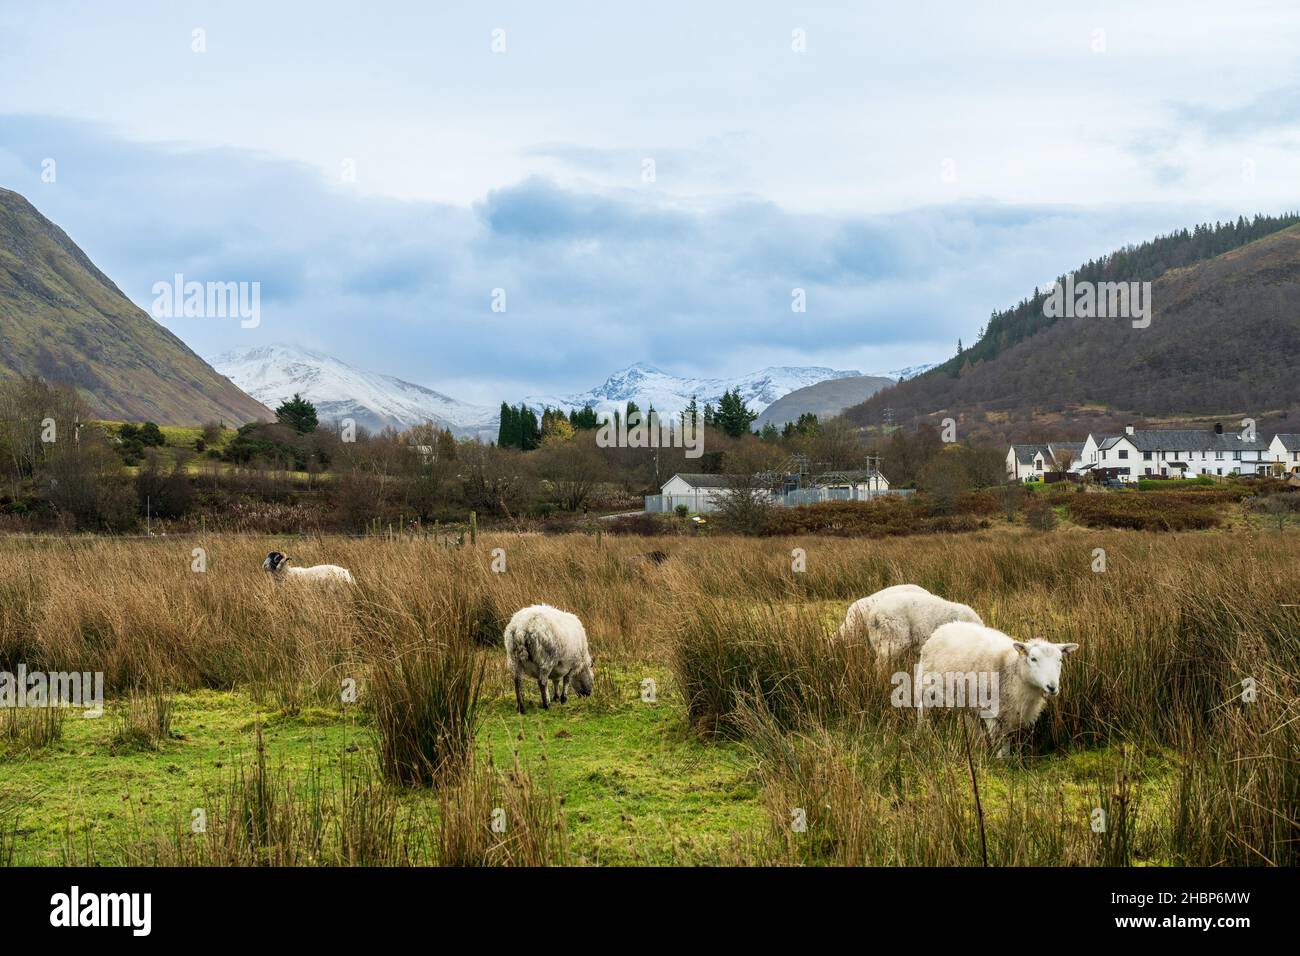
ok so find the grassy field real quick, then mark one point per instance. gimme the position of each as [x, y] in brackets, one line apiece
[766, 742]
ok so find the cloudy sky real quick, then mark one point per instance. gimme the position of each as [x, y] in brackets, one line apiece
[381, 168]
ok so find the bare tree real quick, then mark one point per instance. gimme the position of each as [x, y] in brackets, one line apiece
[573, 468]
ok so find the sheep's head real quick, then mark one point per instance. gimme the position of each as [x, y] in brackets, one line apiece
[274, 561]
[1040, 663]
[584, 679]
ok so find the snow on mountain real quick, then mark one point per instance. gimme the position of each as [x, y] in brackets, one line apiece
[911, 371]
[669, 394]
[275, 372]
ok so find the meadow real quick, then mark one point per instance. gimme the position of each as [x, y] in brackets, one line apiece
[251, 722]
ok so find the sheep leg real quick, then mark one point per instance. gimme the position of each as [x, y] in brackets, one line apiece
[541, 685]
[564, 690]
[555, 689]
[519, 691]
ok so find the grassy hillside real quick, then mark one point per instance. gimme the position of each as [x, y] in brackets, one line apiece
[1224, 341]
[64, 320]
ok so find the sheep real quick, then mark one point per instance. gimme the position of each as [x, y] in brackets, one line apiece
[1028, 672]
[906, 619]
[855, 622]
[329, 574]
[548, 644]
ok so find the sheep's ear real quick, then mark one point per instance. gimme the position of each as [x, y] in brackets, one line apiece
[1068, 648]
[1020, 647]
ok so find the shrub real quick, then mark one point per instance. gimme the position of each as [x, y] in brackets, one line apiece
[729, 653]
[642, 524]
[425, 700]
[1151, 511]
[1040, 515]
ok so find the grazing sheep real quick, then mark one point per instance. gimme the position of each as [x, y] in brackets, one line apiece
[331, 574]
[548, 644]
[855, 622]
[906, 619]
[1028, 672]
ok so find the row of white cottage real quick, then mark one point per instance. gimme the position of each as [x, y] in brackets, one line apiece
[1158, 453]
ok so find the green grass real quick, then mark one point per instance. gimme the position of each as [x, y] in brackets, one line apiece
[636, 786]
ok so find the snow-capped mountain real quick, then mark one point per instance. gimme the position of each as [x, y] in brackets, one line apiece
[911, 371]
[275, 372]
[669, 394]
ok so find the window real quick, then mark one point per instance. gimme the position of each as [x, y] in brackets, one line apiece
[1146, 456]
[1236, 456]
[1123, 454]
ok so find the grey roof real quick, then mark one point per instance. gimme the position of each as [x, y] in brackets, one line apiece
[1290, 442]
[1184, 439]
[697, 480]
[1066, 445]
[1025, 453]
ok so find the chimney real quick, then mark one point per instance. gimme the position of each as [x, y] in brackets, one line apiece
[1128, 429]
[1218, 428]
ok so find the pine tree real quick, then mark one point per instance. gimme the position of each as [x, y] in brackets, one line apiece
[299, 414]
[691, 415]
[732, 416]
[503, 430]
[530, 433]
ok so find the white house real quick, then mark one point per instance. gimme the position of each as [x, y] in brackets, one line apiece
[1284, 451]
[696, 491]
[1032, 462]
[1173, 453]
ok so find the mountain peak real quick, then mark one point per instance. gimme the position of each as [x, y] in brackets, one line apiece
[669, 394]
[274, 373]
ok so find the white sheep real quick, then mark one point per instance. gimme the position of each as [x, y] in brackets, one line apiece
[906, 619]
[548, 644]
[330, 574]
[855, 621]
[1028, 672]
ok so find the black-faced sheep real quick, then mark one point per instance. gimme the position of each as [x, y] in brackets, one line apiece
[277, 563]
